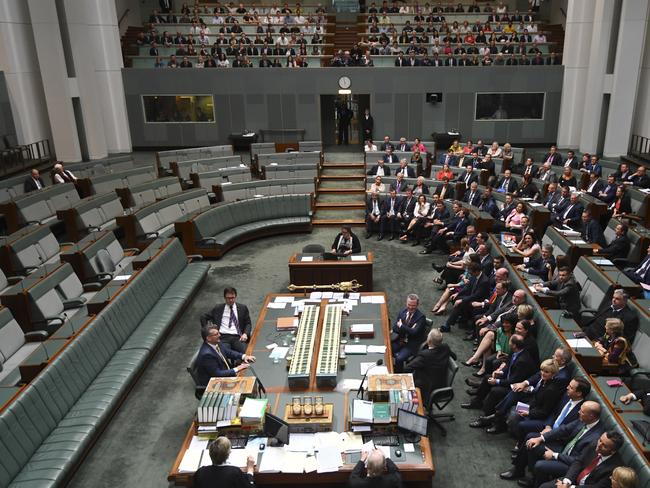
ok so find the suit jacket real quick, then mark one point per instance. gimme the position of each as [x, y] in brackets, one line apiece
[568, 294]
[459, 227]
[518, 370]
[537, 266]
[629, 317]
[489, 206]
[567, 431]
[533, 170]
[544, 398]
[640, 181]
[224, 475]
[598, 187]
[367, 124]
[593, 233]
[610, 193]
[402, 187]
[390, 159]
[468, 180]
[216, 314]
[625, 205]
[573, 164]
[599, 477]
[556, 159]
[618, 248]
[410, 172]
[30, 184]
[574, 213]
[548, 176]
[505, 211]
[373, 170]
[407, 207]
[449, 192]
[570, 417]
[487, 265]
[429, 368]
[356, 244]
[415, 330]
[475, 200]
[386, 145]
[385, 208]
[452, 161]
[209, 364]
[391, 479]
[551, 200]
[402, 147]
[479, 289]
[510, 187]
[380, 206]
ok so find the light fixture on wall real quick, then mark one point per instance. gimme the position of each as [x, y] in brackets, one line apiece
[345, 92]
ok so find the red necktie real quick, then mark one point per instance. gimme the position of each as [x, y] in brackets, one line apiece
[493, 297]
[587, 471]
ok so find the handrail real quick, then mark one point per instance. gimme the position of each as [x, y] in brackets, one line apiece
[123, 16]
[563, 12]
[639, 147]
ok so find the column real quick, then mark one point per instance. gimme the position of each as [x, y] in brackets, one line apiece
[19, 62]
[578, 33]
[642, 109]
[627, 73]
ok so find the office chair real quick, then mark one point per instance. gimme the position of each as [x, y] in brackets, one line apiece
[313, 249]
[191, 369]
[441, 397]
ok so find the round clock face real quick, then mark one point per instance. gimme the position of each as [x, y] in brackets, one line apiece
[345, 82]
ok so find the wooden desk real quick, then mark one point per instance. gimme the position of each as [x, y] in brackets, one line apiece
[417, 468]
[612, 394]
[320, 272]
[635, 436]
[102, 298]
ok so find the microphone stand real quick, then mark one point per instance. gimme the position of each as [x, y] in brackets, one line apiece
[361, 390]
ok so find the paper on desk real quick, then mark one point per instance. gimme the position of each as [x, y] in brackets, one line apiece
[354, 296]
[366, 299]
[378, 299]
[535, 204]
[576, 343]
[337, 295]
[198, 443]
[350, 442]
[294, 462]
[206, 460]
[327, 294]
[190, 462]
[348, 384]
[408, 447]
[378, 370]
[272, 460]
[361, 328]
[278, 306]
[323, 439]
[577, 241]
[283, 299]
[361, 428]
[376, 349]
[272, 346]
[311, 464]
[301, 442]
[239, 457]
[279, 352]
[307, 258]
[316, 295]
[375, 370]
[602, 262]
[385, 450]
[121, 278]
[357, 258]
[355, 349]
[329, 459]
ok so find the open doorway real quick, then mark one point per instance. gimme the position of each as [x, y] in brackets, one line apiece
[341, 119]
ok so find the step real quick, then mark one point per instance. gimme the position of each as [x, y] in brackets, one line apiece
[343, 184]
[351, 191]
[338, 222]
[343, 177]
[341, 198]
[340, 206]
[340, 213]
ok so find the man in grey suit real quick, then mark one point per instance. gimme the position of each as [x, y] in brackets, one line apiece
[232, 319]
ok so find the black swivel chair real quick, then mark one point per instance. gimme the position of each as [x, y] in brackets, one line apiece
[441, 397]
[313, 249]
[191, 369]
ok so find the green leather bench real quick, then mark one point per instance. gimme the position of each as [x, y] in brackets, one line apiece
[45, 431]
[109, 183]
[223, 227]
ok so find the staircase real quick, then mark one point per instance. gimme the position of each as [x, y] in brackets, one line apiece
[346, 34]
[129, 48]
[341, 196]
[555, 33]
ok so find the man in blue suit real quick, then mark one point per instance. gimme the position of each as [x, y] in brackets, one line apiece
[216, 359]
[409, 331]
[608, 193]
[448, 158]
[591, 231]
[549, 455]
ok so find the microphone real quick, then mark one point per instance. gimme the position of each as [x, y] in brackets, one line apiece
[259, 382]
[47, 356]
[616, 392]
[361, 391]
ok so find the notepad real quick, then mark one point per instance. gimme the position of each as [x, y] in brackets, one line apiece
[272, 460]
[283, 299]
[361, 411]
[355, 349]
[307, 258]
[301, 442]
[361, 328]
[190, 462]
[376, 349]
[275, 305]
[279, 352]
[357, 258]
[577, 343]
[408, 447]
[329, 459]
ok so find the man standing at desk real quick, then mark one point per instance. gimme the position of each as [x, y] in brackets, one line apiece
[346, 242]
[374, 475]
[232, 320]
[408, 332]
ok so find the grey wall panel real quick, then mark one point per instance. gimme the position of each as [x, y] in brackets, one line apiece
[279, 99]
[6, 118]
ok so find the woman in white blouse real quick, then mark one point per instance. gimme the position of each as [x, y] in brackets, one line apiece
[494, 150]
[377, 186]
[419, 214]
[369, 146]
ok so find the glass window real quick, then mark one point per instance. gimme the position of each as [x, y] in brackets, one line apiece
[178, 108]
[509, 106]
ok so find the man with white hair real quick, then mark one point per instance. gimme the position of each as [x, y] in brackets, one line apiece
[372, 473]
[61, 175]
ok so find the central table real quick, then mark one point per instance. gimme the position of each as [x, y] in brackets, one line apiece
[416, 467]
[317, 271]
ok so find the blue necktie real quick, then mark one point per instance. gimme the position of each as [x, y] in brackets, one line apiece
[565, 411]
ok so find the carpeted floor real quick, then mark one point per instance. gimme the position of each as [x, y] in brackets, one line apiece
[139, 446]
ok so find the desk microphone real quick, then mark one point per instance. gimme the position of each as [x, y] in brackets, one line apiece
[47, 356]
[360, 391]
[616, 393]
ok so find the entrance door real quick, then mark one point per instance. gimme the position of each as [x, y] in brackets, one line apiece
[339, 111]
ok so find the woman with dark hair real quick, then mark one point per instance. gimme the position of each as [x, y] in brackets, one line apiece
[528, 189]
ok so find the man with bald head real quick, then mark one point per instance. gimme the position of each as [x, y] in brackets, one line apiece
[549, 455]
[378, 472]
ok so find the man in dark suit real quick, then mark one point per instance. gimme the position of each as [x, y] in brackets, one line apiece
[571, 160]
[553, 157]
[400, 61]
[640, 274]
[374, 211]
[488, 204]
[379, 169]
[493, 388]
[618, 309]
[595, 185]
[222, 474]
[454, 230]
[570, 213]
[469, 177]
[389, 216]
[472, 195]
[379, 473]
[33, 182]
[402, 145]
[619, 247]
[553, 196]
[389, 157]
[622, 173]
[542, 266]
[215, 359]
[367, 125]
[477, 290]
[399, 185]
[444, 191]
[346, 242]
[407, 207]
[639, 178]
[591, 231]
[507, 184]
[641, 395]
[596, 463]
[405, 169]
[565, 289]
[550, 454]
[529, 168]
[429, 366]
[409, 331]
[386, 144]
[448, 158]
[232, 320]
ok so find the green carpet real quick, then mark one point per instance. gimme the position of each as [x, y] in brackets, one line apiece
[140, 444]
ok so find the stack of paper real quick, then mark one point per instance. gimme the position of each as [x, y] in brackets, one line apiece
[576, 343]
[375, 370]
[328, 459]
[361, 329]
[254, 408]
[301, 442]
[191, 461]
[350, 442]
[283, 299]
[358, 258]
[355, 349]
[306, 259]
[272, 460]
[361, 411]
[294, 462]
[279, 352]
[239, 457]
[277, 306]
[376, 349]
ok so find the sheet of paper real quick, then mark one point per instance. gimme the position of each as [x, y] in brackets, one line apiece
[378, 299]
[361, 428]
[358, 258]
[306, 259]
[577, 241]
[350, 442]
[198, 443]
[238, 457]
[385, 450]
[272, 460]
[338, 295]
[301, 442]
[206, 460]
[576, 343]
[329, 459]
[408, 447]
[275, 305]
[366, 299]
[323, 439]
[361, 328]
[223, 423]
[271, 346]
[121, 278]
[311, 464]
[368, 447]
[352, 303]
[294, 462]
[279, 352]
[284, 299]
[378, 370]
[376, 349]
[602, 262]
[365, 366]
[354, 296]
[190, 461]
[348, 384]
[535, 204]
[316, 295]
[327, 294]
[355, 349]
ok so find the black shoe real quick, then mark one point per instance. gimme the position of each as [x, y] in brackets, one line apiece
[425, 251]
[472, 382]
[391, 238]
[479, 423]
[368, 235]
[381, 236]
[415, 243]
[526, 482]
[437, 267]
[512, 474]
[472, 391]
[515, 450]
[470, 406]
[497, 428]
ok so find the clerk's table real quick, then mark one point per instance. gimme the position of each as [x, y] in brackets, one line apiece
[312, 269]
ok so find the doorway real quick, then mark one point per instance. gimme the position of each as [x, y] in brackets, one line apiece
[337, 111]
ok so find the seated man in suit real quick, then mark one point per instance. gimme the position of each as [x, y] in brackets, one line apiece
[33, 182]
[374, 211]
[595, 185]
[373, 475]
[529, 168]
[639, 178]
[488, 204]
[232, 319]
[405, 170]
[619, 247]
[554, 157]
[216, 359]
[407, 207]
[408, 331]
[507, 184]
[386, 144]
[346, 242]
[222, 474]
[640, 274]
[472, 195]
[608, 193]
[448, 158]
[591, 231]
[542, 266]
[622, 172]
[477, 290]
[595, 464]
[399, 185]
[469, 176]
[453, 230]
[389, 217]
[565, 289]
[546, 173]
[389, 157]
[379, 169]
[594, 326]
[446, 190]
[429, 366]
[553, 196]
[570, 213]
[551, 453]
[402, 145]
[642, 396]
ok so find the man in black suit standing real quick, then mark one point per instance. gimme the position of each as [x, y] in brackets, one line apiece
[619, 247]
[33, 182]
[222, 474]
[591, 231]
[373, 475]
[367, 125]
[344, 118]
[216, 359]
[595, 465]
[232, 320]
